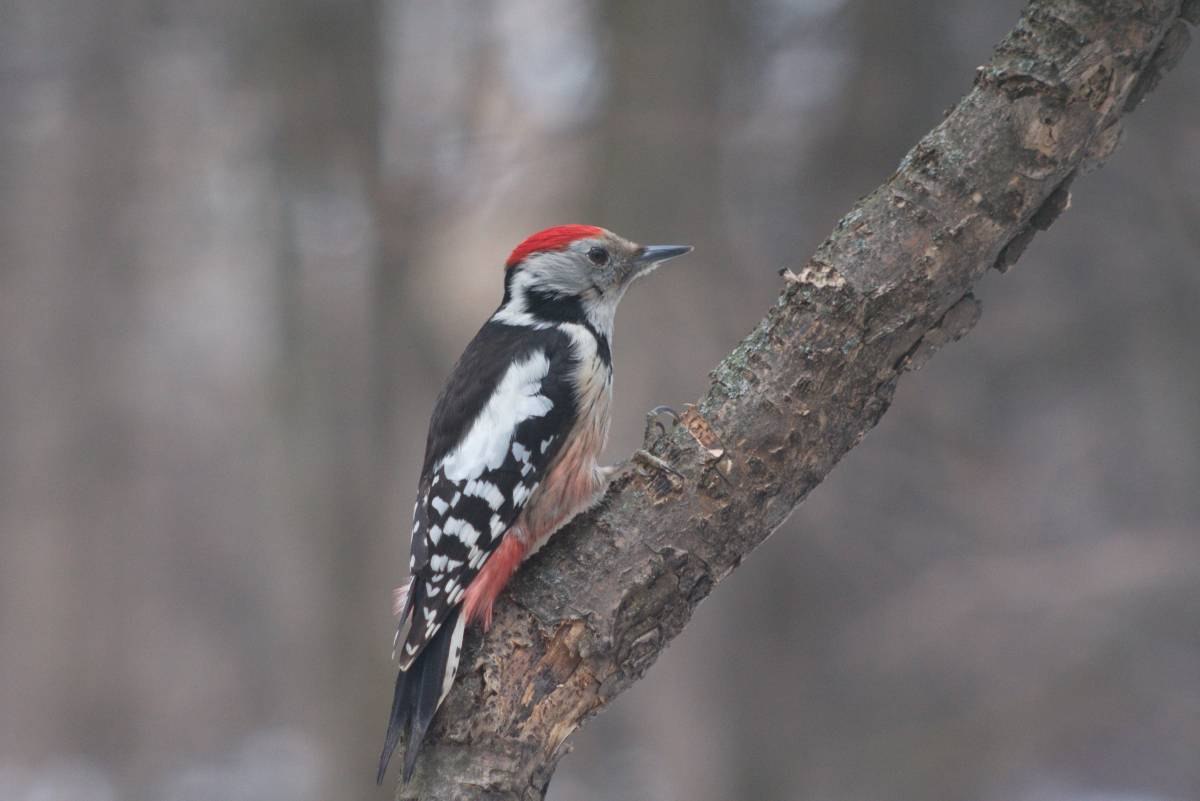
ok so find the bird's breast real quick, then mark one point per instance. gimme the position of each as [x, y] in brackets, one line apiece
[575, 479]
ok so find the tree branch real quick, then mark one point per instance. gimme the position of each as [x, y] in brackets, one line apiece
[590, 614]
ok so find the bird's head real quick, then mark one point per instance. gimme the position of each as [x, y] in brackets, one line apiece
[572, 273]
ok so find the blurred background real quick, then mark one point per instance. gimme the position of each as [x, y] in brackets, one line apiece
[243, 241]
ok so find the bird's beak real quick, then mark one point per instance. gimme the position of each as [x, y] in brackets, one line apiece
[648, 257]
[656, 254]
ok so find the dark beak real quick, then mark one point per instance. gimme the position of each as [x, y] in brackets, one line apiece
[654, 254]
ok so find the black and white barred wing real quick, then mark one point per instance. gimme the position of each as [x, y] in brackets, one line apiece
[475, 489]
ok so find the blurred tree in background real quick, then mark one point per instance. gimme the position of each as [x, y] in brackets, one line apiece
[241, 244]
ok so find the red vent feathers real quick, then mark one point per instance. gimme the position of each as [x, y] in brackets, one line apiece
[555, 238]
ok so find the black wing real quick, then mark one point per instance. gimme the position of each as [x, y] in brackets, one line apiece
[497, 426]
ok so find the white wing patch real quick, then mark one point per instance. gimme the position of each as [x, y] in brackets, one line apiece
[517, 398]
[461, 530]
[486, 490]
[469, 535]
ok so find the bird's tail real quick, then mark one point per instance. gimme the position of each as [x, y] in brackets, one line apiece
[419, 692]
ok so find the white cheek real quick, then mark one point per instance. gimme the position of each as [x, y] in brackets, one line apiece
[602, 313]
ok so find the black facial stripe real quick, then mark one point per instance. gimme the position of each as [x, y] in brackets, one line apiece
[602, 348]
[554, 308]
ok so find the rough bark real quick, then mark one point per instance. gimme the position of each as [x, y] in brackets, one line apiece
[892, 284]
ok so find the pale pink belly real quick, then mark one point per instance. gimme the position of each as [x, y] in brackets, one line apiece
[574, 483]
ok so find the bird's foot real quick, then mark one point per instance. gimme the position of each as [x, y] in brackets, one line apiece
[643, 462]
[618, 473]
[655, 430]
[648, 460]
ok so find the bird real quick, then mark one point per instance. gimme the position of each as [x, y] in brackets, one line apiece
[512, 452]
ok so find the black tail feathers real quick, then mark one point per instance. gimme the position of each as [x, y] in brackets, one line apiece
[418, 694]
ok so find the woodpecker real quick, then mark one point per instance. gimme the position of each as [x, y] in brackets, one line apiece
[512, 452]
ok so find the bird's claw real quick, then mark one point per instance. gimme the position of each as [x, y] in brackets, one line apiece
[653, 422]
[649, 460]
[619, 473]
[644, 458]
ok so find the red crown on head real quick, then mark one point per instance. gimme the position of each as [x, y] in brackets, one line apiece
[555, 238]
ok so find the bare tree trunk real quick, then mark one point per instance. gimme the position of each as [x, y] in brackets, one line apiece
[888, 288]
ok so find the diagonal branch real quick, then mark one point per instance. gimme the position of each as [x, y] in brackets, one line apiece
[589, 615]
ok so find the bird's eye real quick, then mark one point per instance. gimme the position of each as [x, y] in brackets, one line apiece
[598, 255]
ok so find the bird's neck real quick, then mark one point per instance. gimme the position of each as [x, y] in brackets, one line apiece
[529, 307]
